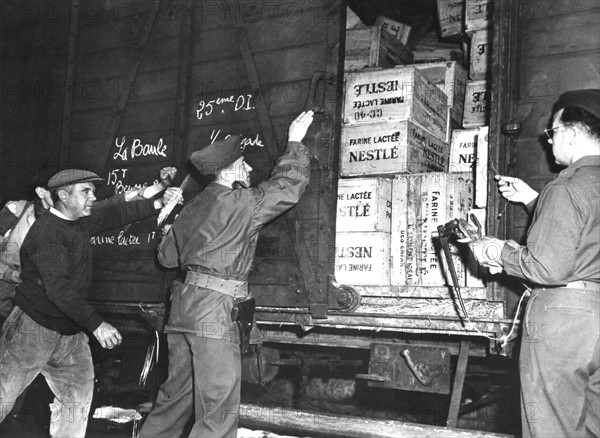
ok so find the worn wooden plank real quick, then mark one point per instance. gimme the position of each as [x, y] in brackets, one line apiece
[532, 10]
[104, 64]
[459, 381]
[220, 43]
[88, 149]
[137, 117]
[183, 101]
[126, 29]
[68, 103]
[274, 66]
[311, 421]
[547, 37]
[229, 13]
[402, 292]
[104, 94]
[544, 77]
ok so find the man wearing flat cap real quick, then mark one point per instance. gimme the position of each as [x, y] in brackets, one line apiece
[46, 330]
[560, 357]
[213, 241]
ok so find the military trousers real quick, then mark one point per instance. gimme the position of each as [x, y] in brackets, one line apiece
[203, 381]
[560, 364]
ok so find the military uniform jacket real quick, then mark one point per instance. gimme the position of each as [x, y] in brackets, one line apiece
[216, 233]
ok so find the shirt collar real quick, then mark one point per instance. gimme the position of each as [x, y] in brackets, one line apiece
[55, 212]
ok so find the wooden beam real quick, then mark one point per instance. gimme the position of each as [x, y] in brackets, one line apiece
[303, 423]
[186, 39]
[140, 49]
[261, 106]
[459, 381]
[65, 136]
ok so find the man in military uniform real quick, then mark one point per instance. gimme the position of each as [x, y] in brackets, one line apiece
[213, 240]
[560, 348]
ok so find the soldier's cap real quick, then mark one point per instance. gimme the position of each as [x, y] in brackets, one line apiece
[588, 100]
[72, 176]
[217, 155]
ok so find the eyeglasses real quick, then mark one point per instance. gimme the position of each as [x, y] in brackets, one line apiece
[550, 131]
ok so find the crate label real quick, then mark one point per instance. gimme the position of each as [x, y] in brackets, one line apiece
[420, 203]
[394, 94]
[364, 205]
[477, 111]
[478, 14]
[362, 258]
[463, 150]
[481, 50]
[450, 17]
[389, 148]
[398, 30]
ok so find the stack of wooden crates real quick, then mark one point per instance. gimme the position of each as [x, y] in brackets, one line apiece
[411, 139]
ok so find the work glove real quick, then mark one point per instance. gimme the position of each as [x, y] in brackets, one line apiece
[486, 250]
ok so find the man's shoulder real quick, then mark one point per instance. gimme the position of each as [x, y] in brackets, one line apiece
[585, 178]
[47, 226]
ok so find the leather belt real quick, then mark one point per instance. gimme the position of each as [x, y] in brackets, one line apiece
[233, 288]
[584, 285]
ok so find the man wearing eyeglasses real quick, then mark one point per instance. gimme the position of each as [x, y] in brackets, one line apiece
[559, 359]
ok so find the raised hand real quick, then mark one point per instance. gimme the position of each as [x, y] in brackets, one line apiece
[167, 175]
[300, 125]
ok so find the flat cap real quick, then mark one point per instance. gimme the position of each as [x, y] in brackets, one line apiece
[71, 176]
[217, 155]
[588, 100]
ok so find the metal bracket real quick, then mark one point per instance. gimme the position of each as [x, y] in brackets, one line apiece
[342, 298]
[409, 367]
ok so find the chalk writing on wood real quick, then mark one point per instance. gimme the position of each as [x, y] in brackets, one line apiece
[138, 149]
[243, 102]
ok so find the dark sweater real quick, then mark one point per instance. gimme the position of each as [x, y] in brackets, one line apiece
[56, 263]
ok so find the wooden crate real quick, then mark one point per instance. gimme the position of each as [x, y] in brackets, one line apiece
[462, 150]
[362, 258]
[358, 48]
[420, 203]
[481, 50]
[372, 47]
[364, 205]
[478, 14]
[390, 148]
[450, 77]
[453, 121]
[427, 54]
[450, 17]
[400, 93]
[399, 31]
[477, 104]
[388, 52]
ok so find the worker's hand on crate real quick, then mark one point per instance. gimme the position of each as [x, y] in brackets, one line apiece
[515, 189]
[488, 253]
